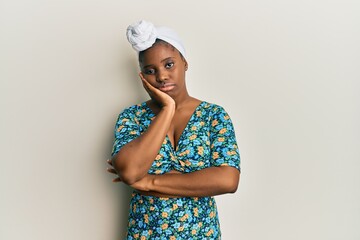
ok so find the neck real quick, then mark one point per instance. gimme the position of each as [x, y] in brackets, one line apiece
[182, 99]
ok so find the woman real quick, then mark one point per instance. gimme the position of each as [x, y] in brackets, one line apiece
[176, 151]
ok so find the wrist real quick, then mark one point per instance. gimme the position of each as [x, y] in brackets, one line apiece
[151, 183]
[169, 108]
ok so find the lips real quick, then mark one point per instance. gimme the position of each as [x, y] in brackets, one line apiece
[167, 87]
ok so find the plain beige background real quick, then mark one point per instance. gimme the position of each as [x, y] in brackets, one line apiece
[286, 71]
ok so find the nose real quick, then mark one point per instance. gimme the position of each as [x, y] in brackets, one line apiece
[161, 76]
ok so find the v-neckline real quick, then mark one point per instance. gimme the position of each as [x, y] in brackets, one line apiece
[172, 145]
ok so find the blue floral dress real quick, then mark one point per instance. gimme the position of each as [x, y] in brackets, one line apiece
[207, 140]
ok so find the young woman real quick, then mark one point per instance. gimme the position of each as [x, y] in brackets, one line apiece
[176, 151]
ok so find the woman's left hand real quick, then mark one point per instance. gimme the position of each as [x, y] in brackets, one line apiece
[111, 169]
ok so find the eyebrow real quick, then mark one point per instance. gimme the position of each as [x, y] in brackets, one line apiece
[164, 60]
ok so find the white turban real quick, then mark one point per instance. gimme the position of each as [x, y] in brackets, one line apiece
[142, 35]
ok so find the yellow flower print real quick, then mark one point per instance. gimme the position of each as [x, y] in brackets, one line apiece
[181, 228]
[152, 208]
[119, 128]
[221, 139]
[136, 235]
[183, 218]
[164, 226]
[212, 214]
[198, 113]
[158, 171]
[202, 123]
[215, 155]
[223, 130]
[150, 232]
[172, 238]
[200, 150]
[214, 123]
[226, 117]
[143, 238]
[158, 157]
[200, 224]
[133, 132]
[193, 128]
[187, 163]
[146, 218]
[230, 153]
[125, 120]
[164, 214]
[187, 151]
[182, 154]
[192, 137]
[151, 201]
[200, 164]
[196, 212]
[193, 232]
[209, 233]
[175, 206]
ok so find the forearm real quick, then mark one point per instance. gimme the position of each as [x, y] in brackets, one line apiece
[134, 160]
[207, 182]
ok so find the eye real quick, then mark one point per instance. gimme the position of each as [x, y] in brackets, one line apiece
[149, 71]
[169, 65]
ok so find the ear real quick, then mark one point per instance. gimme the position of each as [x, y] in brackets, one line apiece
[186, 65]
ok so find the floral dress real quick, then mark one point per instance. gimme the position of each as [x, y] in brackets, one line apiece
[207, 140]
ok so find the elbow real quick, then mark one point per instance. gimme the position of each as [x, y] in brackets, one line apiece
[126, 173]
[128, 181]
[129, 176]
[232, 188]
[232, 184]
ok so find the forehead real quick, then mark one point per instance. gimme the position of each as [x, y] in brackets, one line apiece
[157, 53]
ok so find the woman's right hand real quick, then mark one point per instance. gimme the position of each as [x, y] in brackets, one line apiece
[162, 98]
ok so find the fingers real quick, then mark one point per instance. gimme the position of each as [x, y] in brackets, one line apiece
[148, 87]
[111, 170]
[142, 76]
[109, 162]
[116, 180]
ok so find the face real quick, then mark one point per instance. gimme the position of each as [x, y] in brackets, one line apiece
[164, 68]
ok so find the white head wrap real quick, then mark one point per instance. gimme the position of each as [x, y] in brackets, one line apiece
[142, 35]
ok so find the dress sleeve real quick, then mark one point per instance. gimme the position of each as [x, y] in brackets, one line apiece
[126, 129]
[224, 149]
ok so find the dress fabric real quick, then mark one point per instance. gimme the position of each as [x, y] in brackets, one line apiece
[207, 140]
